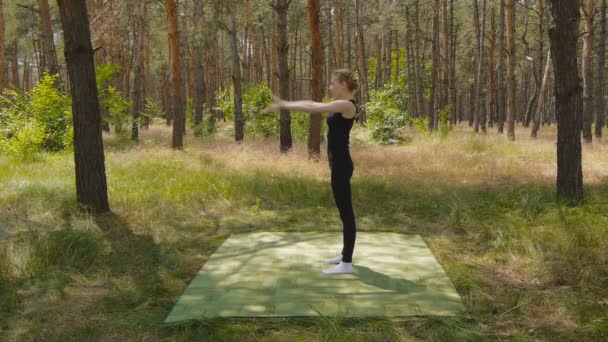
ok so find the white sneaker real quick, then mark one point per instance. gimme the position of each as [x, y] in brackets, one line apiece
[341, 268]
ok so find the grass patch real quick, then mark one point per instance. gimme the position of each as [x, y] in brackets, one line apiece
[526, 267]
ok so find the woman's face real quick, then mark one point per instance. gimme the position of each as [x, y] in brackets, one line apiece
[337, 88]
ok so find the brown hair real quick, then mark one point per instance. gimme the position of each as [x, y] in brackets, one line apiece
[346, 76]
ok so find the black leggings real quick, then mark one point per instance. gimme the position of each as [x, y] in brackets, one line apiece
[341, 172]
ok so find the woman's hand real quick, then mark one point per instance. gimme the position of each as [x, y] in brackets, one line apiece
[275, 106]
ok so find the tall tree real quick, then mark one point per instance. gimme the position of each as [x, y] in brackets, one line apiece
[91, 187]
[314, 130]
[48, 43]
[339, 34]
[563, 34]
[433, 122]
[588, 12]
[500, 72]
[239, 121]
[2, 56]
[600, 103]
[361, 62]
[510, 27]
[199, 74]
[281, 7]
[176, 78]
[542, 99]
[138, 69]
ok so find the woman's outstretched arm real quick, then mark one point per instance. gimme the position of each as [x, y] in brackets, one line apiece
[341, 106]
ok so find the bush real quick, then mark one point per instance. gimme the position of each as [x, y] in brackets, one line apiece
[35, 121]
[114, 106]
[386, 112]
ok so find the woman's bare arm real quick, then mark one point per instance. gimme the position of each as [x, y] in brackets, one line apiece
[340, 106]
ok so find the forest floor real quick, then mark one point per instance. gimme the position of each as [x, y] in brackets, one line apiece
[526, 267]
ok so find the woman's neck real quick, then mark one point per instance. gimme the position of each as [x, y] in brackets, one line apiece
[344, 97]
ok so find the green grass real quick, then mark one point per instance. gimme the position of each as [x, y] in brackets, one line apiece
[526, 267]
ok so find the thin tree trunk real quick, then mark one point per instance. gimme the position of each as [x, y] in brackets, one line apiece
[500, 101]
[433, 122]
[361, 63]
[510, 27]
[138, 68]
[47, 37]
[176, 78]
[281, 7]
[239, 122]
[542, 100]
[600, 103]
[588, 12]
[446, 57]
[2, 50]
[199, 71]
[314, 130]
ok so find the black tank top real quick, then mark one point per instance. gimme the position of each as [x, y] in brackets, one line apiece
[338, 135]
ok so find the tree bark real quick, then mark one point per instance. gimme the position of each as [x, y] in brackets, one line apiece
[281, 7]
[600, 102]
[138, 68]
[176, 77]
[2, 50]
[314, 130]
[588, 12]
[563, 35]
[542, 99]
[91, 187]
[433, 122]
[361, 63]
[199, 71]
[500, 72]
[47, 37]
[239, 122]
[510, 27]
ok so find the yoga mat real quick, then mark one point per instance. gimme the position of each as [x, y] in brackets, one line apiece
[278, 274]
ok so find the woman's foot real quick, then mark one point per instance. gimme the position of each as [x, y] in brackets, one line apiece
[341, 268]
[335, 260]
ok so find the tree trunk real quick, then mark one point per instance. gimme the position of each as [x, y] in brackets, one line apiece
[138, 68]
[314, 130]
[600, 102]
[48, 43]
[510, 27]
[2, 51]
[433, 122]
[176, 77]
[564, 34]
[281, 7]
[588, 12]
[199, 72]
[446, 57]
[500, 72]
[492, 71]
[91, 187]
[239, 122]
[361, 63]
[542, 99]
[378, 41]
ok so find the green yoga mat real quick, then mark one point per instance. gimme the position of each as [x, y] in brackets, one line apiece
[272, 274]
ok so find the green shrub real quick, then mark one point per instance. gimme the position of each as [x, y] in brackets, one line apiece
[35, 121]
[386, 112]
[114, 106]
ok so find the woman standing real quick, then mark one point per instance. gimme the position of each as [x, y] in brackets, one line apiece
[340, 118]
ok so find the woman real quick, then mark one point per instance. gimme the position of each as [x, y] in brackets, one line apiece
[340, 118]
